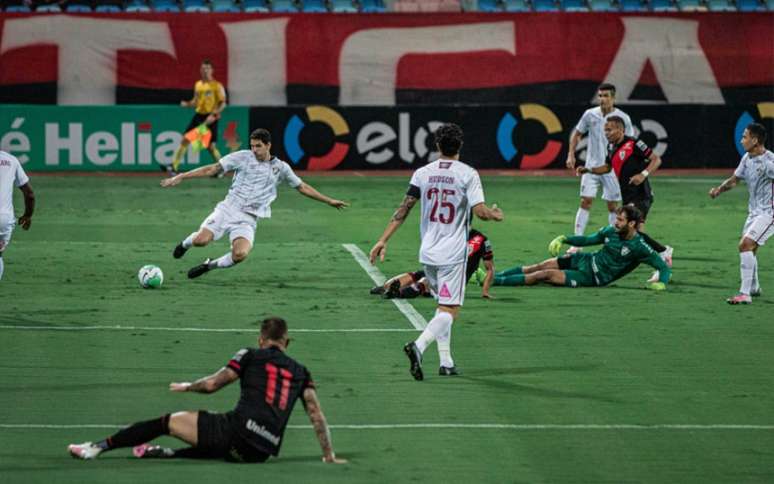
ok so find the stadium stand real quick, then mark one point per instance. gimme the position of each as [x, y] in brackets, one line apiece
[225, 6]
[633, 6]
[196, 6]
[343, 6]
[575, 6]
[750, 6]
[284, 6]
[663, 6]
[372, 6]
[314, 6]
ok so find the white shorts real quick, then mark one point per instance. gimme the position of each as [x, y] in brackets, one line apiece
[226, 220]
[7, 223]
[610, 190]
[759, 228]
[447, 283]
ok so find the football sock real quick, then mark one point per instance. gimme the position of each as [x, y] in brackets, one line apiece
[747, 269]
[222, 262]
[513, 280]
[214, 152]
[610, 218]
[444, 348]
[1, 266]
[438, 325]
[136, 434]
[756, 286]
[653, 243]
[511, 272]
[581, 220]
[178, 156]
[188, 241]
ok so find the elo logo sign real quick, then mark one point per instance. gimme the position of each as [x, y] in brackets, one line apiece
[317, 114]
[765, 110]
[551, 148]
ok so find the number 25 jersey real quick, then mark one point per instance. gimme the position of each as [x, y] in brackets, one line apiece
[448, 190]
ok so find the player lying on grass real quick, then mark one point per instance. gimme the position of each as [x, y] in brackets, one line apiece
[271, 382]
[412, 284]
[623, 250]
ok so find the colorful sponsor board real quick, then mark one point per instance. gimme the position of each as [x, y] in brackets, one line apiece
[102, 138]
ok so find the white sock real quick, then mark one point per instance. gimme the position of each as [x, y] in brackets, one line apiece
[444, 348]
[747, 269]
[440, 323]
[188, 241]
[581, 220]
[611, 218]
[222, 262]
[756, 286]
[1, 267]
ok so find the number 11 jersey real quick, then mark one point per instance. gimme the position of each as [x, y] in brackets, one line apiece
[448, 190]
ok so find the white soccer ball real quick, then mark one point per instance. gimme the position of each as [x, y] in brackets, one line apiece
[150, 276]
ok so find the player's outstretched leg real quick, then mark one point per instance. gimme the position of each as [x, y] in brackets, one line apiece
[148, 451]
[200, 269]
[415, 358]
[127, 437]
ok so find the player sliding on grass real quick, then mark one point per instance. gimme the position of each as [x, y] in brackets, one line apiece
[271, 382]
[412, 284]
[624, 249]
[254, 188]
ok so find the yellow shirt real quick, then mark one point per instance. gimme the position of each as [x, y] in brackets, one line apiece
[208, 96]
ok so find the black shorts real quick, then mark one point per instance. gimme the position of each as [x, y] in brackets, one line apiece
[199, 119]
[642, 204]
[218, 439]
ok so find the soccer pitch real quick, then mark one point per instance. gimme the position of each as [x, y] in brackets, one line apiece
[613, 384]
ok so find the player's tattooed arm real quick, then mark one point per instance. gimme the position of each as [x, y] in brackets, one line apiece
[403, 210]
[320, 425]
[208, 384]
[379, 250]
[727, 185]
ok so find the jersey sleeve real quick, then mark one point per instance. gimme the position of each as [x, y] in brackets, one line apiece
[239, 361]
[290, 176]
[740, 170]
[769, 167]
[488, 254]
[229, 162]
[414, 189]
[475, 191]
[628, 127]
[220, 95]
[642, 149]
[583, 125]
[308, 381]
[650, 257]
[596, 238]
[20, 178]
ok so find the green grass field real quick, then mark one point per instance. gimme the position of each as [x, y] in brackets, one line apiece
[612, 384]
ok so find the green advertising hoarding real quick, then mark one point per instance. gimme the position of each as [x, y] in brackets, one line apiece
[109, 138]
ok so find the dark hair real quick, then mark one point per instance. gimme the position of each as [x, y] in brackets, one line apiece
[449, 139]
[757, 131]
[617, 120]
[632, 213]
[206, 62]
[606, 86]
[274, 328]
[261, 134]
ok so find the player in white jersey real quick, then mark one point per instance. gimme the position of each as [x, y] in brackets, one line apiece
[449, 190]
[593, 123]
[256, 176]
[757, 170]
[12, 175]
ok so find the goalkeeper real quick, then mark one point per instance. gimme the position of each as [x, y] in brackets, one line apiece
[623, 250]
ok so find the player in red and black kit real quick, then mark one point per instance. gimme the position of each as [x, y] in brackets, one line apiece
[412, 284]
[270, 382]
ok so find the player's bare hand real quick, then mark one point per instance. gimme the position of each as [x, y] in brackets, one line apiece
[184, 104]
[25, 222]
[332, 459]
[179, 387]
[570, 162]
[497, 213]
[378, 250]
[171, 181]
[486, 295]
[339, 204]
[714, 192]
[211, 119]
[580, 170]
[637, 179]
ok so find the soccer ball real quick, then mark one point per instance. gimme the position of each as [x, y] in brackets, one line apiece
[150, 276]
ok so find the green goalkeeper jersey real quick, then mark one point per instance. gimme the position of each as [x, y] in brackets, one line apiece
[618, 256]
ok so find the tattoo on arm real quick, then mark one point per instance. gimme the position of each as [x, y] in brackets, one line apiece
[214, 382]
[318, 421]
[405, 207]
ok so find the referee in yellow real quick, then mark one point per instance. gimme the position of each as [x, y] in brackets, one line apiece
[209, 101]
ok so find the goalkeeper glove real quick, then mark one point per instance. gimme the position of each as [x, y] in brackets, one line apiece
[556, 245]
[656, 286]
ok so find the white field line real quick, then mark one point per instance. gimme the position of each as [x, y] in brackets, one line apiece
[198, 330]
[492, 426]
[376, 275]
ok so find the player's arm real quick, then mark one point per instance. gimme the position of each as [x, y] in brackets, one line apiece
[191, 102]
[320, 425]
[485, 213]
[309, 191]
[207, 384]
[201, 172]
[727, 185]
[597, 170]
[215, 114]
[490, 271]
[29, 206]
[574, 140]
[654, 161]
[664, 271]
[380, 248]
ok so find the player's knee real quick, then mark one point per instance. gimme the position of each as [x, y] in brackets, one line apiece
[747, 245]
[201, 240]
[239, 254]
[586, 202]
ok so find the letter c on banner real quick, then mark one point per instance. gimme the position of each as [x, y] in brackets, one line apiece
[550, 150]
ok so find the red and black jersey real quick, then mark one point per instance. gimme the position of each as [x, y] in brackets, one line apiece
[479, 248]
[270, 382]
[629, 158]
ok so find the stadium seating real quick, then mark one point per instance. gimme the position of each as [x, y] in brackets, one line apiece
[517, 6]
[284, 6]
[602, 6]
[196, 6]
[225, 6]
[19, 8]
[489, 6]
[343, 6]
[372, 6]
[108, 8]
[633, 6]
[166, 6]
[750, 6]
[253, 6]
[663, 6]
[314, 6]
[692, 6]
[545, 5]
[575, 6]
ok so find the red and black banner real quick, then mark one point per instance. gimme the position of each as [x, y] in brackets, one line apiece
[388, 59]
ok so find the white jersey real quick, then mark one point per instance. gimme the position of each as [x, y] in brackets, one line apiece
[11, 175]
[448, 190]
[758, 173]
[255, 182]
[593, 123]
